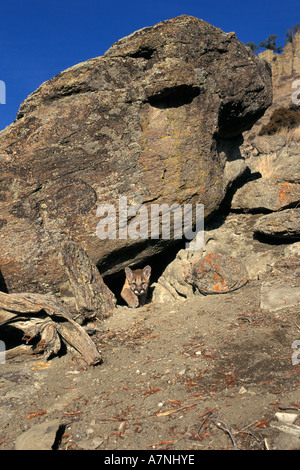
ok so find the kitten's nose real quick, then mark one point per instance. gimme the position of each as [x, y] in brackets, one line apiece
[139, 291]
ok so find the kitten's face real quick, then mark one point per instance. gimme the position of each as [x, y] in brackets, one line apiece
[138, 280]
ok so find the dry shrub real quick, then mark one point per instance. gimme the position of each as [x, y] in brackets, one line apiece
[281, 118]
[266, 165]
[291, 135]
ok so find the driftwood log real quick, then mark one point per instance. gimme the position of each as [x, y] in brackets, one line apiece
[93, 298]
[46, 324]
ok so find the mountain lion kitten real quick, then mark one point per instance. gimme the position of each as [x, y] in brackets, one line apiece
[136, 285]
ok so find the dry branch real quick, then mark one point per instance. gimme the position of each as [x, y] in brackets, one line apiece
[44, 318]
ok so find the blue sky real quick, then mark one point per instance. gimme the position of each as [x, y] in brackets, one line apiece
[39, 39]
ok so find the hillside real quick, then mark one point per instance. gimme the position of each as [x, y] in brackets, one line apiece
[285, 74]
[212, 360]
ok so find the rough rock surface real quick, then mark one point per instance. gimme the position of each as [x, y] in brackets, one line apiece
[146, 121]
[285, 78]
[171, 285]
[278, 163]
[274, 156]
[243, 230]
[281, 290]
[266, 194]
[280, 293]
[39, 437]
[287, 63]
[216, 274]
[230, 236]
[284, 224]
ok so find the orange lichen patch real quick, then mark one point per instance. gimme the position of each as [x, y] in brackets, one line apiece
[215, 274]
[284, 194]
[221, 286]
[210, 258]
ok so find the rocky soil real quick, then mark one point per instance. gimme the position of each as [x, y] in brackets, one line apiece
[206, 373]
[187, 371]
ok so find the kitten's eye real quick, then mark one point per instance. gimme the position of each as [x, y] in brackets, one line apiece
[143, 284]
[133, 284]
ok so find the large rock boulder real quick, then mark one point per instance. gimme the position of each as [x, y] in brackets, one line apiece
[278, 162]
[284, 225]
[271, 194]
[216, 274]
[149, 120]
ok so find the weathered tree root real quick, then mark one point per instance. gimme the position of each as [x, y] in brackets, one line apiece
[44, 318]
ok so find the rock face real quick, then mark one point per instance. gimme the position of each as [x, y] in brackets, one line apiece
[285, 77]
[287, 63]
[266, 194]
[283, 225]
[216, 274]
[259, 228]
[148, 120]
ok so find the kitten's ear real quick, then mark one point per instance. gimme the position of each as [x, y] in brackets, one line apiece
[147, 272]
[129, 273]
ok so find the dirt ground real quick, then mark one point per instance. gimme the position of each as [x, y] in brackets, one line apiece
[206, 373]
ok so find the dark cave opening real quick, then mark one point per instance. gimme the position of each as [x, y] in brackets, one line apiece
[174, 97]
[158, 263]
[3, 286]
[144, 52]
